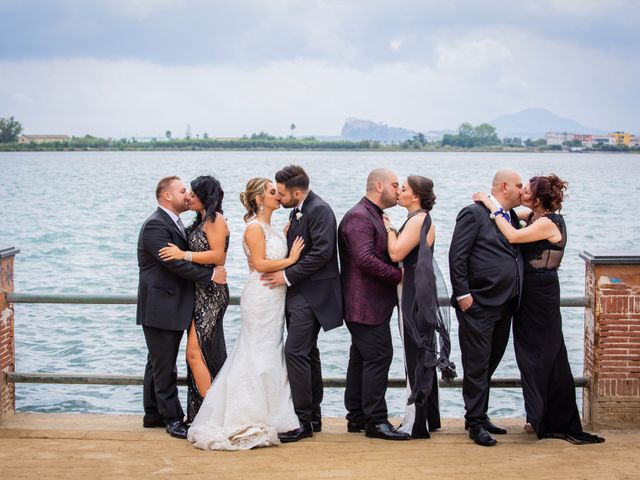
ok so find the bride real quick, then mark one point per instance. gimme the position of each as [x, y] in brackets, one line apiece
[249, 401]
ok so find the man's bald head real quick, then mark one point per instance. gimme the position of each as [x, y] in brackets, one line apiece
[377, 176]
[382, 187]
[505, 175]
[507, 188]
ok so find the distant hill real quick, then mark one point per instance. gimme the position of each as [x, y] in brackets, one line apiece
[357, 129]
[535, 123]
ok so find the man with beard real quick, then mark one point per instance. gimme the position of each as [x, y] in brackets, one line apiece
[369, 287]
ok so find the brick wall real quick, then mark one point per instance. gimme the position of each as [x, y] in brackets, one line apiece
[7, 343]
[612, 345]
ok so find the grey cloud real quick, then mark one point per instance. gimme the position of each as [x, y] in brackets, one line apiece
[357, 33]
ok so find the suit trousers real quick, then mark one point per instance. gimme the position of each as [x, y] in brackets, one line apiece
[483, 333]
[370, 357]
[303, 358]
[160, 391]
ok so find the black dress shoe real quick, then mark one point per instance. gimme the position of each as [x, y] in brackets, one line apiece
[491, 427]
[478, 434]
[385, 431]
[152, 421]
[304, 431]
[355, 427]
[177, 429]
[316, 425]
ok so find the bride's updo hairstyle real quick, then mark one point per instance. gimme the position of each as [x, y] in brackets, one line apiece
[255, 189]
[422, 188]
[548, 191]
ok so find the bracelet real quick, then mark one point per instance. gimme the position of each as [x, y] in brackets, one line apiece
[501, 213]
[188, 256]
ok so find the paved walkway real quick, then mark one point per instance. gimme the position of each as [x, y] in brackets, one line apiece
[109, 446]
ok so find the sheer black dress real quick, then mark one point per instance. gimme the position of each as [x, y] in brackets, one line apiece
[419, 418]
[421, 316]
[210, 306]
[547, 382]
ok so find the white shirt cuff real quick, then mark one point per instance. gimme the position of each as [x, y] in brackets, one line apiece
[463, 296]
[286, 280]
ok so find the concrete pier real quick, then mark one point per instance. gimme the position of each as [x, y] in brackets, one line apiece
[116, 446]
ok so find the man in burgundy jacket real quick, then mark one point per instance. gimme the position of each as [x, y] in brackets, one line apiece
[369, 282]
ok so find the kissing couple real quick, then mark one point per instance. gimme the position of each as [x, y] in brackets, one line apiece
[267, 391]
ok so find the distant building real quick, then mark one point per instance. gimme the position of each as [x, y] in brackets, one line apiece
[621, 138]
[556, 138]
[603, 139]
[43, 138]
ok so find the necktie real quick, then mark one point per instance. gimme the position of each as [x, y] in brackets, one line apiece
[181, 227]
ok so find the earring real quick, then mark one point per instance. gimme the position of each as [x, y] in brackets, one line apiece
[261, 208]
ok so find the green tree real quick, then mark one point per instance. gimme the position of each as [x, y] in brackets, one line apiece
[10, 129]
[168, 134]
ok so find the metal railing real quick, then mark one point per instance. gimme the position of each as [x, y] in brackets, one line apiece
[123, 380]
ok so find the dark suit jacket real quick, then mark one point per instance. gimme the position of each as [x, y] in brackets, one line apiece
[166, 290]
[369, 278]
[481, 260]
[316, 273]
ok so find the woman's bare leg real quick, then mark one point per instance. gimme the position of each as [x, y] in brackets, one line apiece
[196, 362]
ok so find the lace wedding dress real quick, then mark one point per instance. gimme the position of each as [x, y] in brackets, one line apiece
[249, 401]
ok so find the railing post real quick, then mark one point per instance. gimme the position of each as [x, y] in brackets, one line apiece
[7, 339]
[612, 340]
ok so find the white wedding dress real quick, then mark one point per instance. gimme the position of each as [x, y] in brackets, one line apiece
[249, 401]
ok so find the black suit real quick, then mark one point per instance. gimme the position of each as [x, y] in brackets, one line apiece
[314, 300]
[166, 294]
[483, 263]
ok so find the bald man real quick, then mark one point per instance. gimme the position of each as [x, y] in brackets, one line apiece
[486, 276]
[369, 282]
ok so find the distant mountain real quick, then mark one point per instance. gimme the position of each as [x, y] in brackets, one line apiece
[356, 129]
[535, 123]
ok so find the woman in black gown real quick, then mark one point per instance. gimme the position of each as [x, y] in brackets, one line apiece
[208, 237]
[413, 246]
[547, 382]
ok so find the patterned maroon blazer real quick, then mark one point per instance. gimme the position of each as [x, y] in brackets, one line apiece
[369, 278]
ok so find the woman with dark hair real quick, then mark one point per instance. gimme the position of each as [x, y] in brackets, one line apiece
[547, 382]
[252, 396]
[208, 237]
[420, 316]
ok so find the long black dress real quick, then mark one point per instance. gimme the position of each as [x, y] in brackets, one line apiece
[210, 306]
[547, 382]
[420, 317]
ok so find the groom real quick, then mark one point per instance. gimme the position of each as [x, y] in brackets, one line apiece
[166, 294]
[314, 297]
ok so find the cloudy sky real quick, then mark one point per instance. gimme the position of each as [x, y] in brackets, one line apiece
[141, 67]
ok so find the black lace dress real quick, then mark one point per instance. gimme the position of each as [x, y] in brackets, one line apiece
[210, 306]
[547, 382]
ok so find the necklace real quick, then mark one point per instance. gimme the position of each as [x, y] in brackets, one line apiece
[414, 213]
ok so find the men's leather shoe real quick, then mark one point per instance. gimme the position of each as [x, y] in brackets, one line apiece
[316, 425]
[177, 429]
[490, 427]
[478, 434]
[152, 421]
[304, 431]
[355, 427]
[385, 431]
